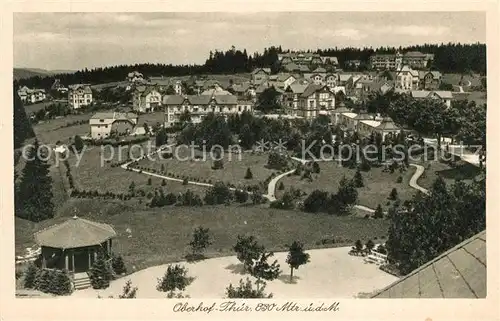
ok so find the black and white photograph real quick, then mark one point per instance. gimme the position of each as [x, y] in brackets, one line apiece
[268, 155]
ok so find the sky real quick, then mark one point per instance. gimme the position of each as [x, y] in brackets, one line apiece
[72, 41]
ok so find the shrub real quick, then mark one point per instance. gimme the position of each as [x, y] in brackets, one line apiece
[218, 194]
[379, 213]
[316, 201]
[315, 167]
[175, 278]
[281, 186]
[163, 182]
[245, 290]
[358, 179]
[129, 292]
[185, 181]
[400, 179]
[53, 281]
[241, 196]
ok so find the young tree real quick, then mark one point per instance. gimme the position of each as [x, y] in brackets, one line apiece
[131, 188]
[315, 167]
[296, 257]
[245, 290]
[347, 193]
[29, 276]
[262, 270]
[200, 241]
[129, 292]
[163, 182]
[358, 179]
[118, 265]
[35, 189]
[78, 143]
[150, 181]
[316, 201]
[379, 213]
[248, 174]
[394, 194]
[100, 273]
[247, 250]
[281, 186]
[175, 278]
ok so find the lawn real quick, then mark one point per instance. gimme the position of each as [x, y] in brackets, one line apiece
[235, 167]
[162, 235]
[51, 131]
[90, 175]
[36, 107]
[378, 185]
[462, 170]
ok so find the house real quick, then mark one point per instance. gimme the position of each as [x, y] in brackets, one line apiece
[460, 272]
[79, 95]
[417, 60]
[291, 96]
[199, 106]
[307, 58]
[444, 96]
[429, 80]
[31, 96]
[414, 59]
[260, 75]
[406, 78]
[385, 127]
[315, 100]
[386, 61]
[57, 86]
[103, 125]
[134, 76]
[146, 99]
[286, 79]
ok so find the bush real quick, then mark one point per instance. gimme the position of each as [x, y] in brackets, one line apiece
[316, 201]
[129, 292]
[185, 181]
[241, 196]
[358, 179]
[245, 290]
[281, 186]
[379, 213]
[218, 194]
[53, 281]
[175, 278]
[149, 181]
[163, 182]
[400, 179]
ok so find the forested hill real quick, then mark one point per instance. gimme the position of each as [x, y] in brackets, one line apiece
[448, 58]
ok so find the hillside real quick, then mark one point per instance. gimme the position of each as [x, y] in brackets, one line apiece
[25, 73]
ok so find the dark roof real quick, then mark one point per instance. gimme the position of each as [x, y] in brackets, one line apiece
[312, 88]
[173, 99]
[388, 124]
[226, 99]
[75, 232]
[458, 273]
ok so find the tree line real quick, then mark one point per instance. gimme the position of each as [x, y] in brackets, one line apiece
[451, 57]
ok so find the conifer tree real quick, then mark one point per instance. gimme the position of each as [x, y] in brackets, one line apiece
[379, 213]
[35, 188]
[100, 273]
[30, 276]
[296, 257]
[358, 179]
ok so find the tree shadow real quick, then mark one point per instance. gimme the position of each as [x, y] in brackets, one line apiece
[236, 268]
[193, 258]
[463, 171]
[285, 278]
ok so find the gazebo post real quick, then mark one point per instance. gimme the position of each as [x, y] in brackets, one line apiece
[66, 260]
[90, 261]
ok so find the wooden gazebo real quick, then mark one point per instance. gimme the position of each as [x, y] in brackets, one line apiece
[74, 244]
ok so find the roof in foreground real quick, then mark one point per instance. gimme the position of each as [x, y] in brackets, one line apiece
[75, 232]
[458, 273]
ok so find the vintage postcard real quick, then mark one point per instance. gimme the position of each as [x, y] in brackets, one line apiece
[276, 160]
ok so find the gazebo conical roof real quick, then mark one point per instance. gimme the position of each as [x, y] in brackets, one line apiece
[75, 232]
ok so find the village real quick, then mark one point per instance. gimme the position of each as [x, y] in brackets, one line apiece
[280, 211]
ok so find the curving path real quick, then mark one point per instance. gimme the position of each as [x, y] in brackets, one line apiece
[414, 179]
[271, 187]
